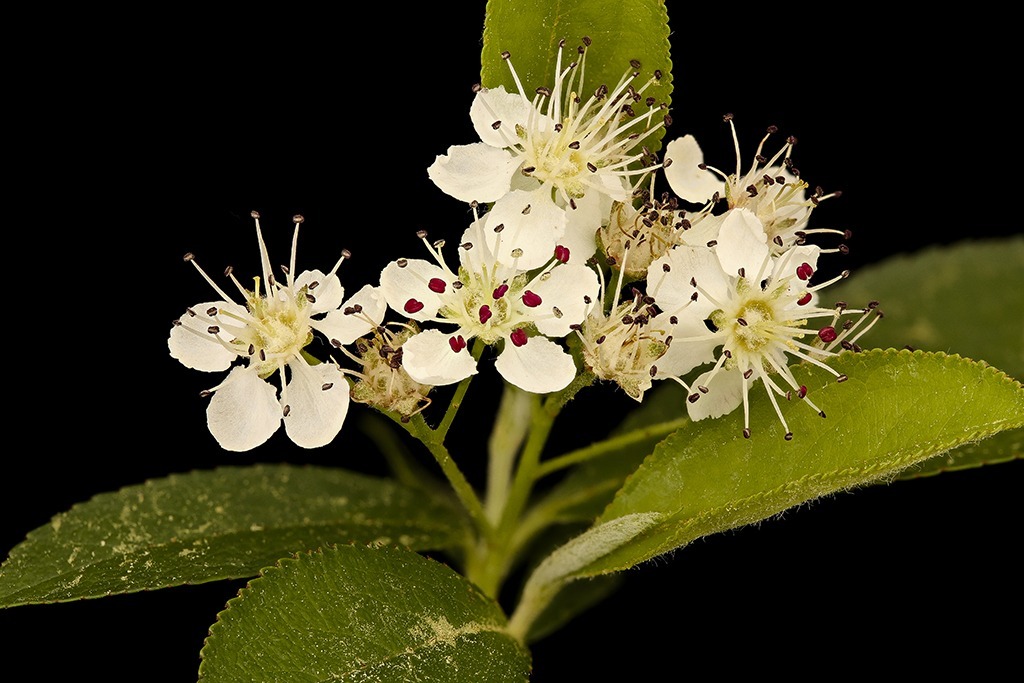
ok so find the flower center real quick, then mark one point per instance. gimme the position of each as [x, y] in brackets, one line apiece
[279, 327]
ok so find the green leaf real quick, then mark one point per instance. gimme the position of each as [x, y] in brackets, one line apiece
[219, 524]
[898, 408]
[362, 614]
[621, 31]
[965, 299]
[1003, 447]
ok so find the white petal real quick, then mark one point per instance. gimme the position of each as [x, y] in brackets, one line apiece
[476, 172]
[402, 284]
[582, 224]
[328, 292]
[539, 366]
[345, 329]
[684, 355]
[315, 414]
[787, 264]
[725, 394]
[429, 359]
[244, 411]
[567, 288]
[672, 289]
[193, 345]
[534, 233]
[742, 243]
[495, 104]
[685, 176]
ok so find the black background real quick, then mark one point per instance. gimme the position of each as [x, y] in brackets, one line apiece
[142, 143]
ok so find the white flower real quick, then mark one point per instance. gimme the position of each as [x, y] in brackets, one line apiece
[755, 306]
[269, 333]
[494, 303]
[623, 345]
[770, 189]
[552, 150]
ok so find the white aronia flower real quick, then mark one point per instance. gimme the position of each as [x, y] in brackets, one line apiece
[754, 306]
[771, 188]
[623, 345]
[494, 303]
[648, 231]
[552, 161]
[269, 332]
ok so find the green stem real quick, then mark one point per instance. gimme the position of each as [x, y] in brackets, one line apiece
[608, 445]
[417, 426]
[510, 428]
[460, 393]
[497, 556]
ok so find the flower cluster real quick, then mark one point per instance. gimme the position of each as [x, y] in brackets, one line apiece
[564, 199]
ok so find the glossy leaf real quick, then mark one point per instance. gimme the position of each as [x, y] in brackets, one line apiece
[218, 524]
[963, 299]
[362, 614]
[898, 408]
[621, 31]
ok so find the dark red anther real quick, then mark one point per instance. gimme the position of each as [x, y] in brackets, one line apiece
[413, 306]
[804, 300]
[562, 253]
[804, 271]
[457, 343]
[485, 314]
[499, 292]
[802, 392]
[436, 284]
[827, 334]
[518, 337]
[531, 299]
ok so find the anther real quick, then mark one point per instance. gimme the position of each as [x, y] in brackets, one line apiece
[499, 291]
[746, 433]
[842, 378]
[517, 253]
[485, 314]
[741, 321]
[546, 92]
[228, 271]
[188, 256]
[298, 219]
[287, 410]
[211, 311]
[413, 306]
[254, 214]
[692, 398]
[600, 340]
[326, 386]
[531, 299]
[436, 285]
[213, 329]
[263, 354]
[402, 263]
[506, 54]
[827, 334]
[591, 167]
[702, 389]
[788, 436]
[499, 227]
[748, 373]
[712, 243]
[422, 234]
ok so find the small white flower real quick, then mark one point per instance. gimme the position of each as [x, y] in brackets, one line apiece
[624, 345]
[552, 150]
[269, 332]
[494, 303]
[754, 306]
[771, 189]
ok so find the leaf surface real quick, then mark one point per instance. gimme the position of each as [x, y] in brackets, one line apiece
[898, 408]
[362, 614]
[621, 31]
[217, 524]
